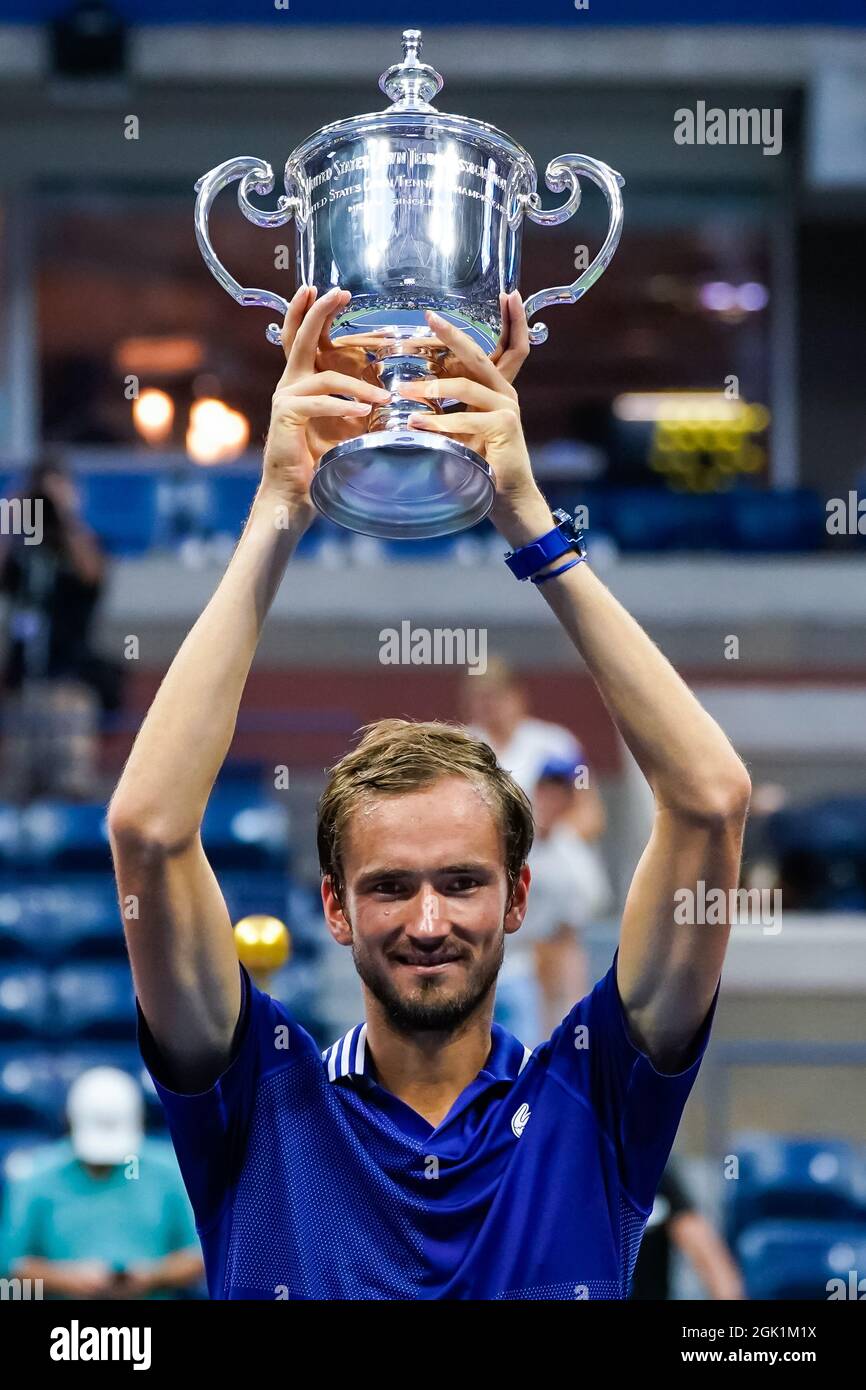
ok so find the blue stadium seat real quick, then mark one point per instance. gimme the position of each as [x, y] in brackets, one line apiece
[63, 836]
[93, 1001]
[242, 832]
[20, 1151]
[806, 1178]
[56, 918]
[821, 849]
[790, 520]
[23, 1002]
[31, 1093]
[798, 1259]
[122, 509]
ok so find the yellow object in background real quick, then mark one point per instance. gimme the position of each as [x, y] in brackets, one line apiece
[263, 943]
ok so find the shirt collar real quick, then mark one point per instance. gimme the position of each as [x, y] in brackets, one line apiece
[348, 1055]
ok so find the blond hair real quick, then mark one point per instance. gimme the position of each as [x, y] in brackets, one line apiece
[396, 756]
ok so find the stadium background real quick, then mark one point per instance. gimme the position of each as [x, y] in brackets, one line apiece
[732, 263]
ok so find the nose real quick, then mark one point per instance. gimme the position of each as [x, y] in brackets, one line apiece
[426, 918]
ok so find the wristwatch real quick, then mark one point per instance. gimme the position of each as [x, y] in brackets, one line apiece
[565, 536]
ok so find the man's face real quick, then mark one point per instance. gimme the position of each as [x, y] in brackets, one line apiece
[425, 903]
[489, 704]
[552, 799]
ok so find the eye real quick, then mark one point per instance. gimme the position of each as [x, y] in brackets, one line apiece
[389, 887]
[461, 883]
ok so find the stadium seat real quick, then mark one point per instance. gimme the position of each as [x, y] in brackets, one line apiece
[19, 1153]
[93, 1001]
[239, 832]
[23, 1002]
[121, 507]
[799, 1259]
[778, 521]
[65, 836]
[56, 918]
[805, 1178]
[31, 1094]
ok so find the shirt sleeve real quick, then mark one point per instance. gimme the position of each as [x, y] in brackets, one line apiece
[209, 1129]
[637, 1106]
[20, 1225]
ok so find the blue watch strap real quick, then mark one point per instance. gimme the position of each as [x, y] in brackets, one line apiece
[534, 556]
[563, 538]
[543, 578]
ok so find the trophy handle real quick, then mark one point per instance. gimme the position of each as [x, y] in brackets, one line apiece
[560, 173]
[256, 176]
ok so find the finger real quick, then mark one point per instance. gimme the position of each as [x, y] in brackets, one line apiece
[302, 358]
[470, 356]
[502, 343]
[297, 410]
[457, 388]
[466, 422]
[298, 306]
[333, 383]
[517, 346]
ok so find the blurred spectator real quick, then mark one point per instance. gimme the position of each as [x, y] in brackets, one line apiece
[54, 682]
[675, 1221]
[545, 969]
[495, 709]
[103, 1214]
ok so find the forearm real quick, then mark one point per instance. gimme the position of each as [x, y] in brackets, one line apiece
[188, 730]
[680, 748]
[176, 1270]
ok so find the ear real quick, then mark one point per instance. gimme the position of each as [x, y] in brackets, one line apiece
[517, 908]
[337, 922]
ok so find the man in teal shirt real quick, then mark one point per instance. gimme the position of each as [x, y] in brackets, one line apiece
[103, 1214]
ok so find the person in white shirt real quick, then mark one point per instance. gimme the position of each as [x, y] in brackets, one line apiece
[545, 962]
[495, 708]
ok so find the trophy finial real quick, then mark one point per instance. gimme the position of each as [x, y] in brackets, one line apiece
[412, 45]
[411, 84]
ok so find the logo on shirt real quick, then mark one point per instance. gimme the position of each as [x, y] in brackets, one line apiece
[519, 1119]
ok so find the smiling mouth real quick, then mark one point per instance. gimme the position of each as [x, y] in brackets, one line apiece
[426, 967]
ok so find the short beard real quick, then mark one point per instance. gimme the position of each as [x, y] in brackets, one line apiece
[419, 1015]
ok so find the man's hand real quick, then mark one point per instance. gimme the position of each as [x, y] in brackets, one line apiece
[492, 426]
[307, 417]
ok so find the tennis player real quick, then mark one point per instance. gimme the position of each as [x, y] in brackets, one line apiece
[427, 1154]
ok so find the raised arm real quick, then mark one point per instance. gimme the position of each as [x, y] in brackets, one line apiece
[177, 925]
[667, 973]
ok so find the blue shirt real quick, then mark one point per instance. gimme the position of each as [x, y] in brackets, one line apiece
[310, 1180]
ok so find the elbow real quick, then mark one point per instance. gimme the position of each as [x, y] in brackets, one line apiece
[135, 833]
[720, 801]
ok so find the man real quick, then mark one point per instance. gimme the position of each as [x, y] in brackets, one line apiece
[102, 1214]
[545, 962]
[427, 1154]
[497, 710]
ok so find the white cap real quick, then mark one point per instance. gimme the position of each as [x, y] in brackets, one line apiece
[105, 1109]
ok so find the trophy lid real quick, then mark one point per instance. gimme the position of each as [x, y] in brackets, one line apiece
[411, 84]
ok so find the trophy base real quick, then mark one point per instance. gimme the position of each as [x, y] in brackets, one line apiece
[403, 485]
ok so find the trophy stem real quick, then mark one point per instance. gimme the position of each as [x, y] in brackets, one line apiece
[392, 369]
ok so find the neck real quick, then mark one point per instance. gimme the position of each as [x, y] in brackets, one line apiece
[428, 1070]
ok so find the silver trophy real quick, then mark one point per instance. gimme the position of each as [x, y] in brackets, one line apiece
[409, 209]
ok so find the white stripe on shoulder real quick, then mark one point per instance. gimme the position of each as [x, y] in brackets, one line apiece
[346, 1051]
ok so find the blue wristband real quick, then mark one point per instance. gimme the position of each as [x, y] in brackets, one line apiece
[542, 579]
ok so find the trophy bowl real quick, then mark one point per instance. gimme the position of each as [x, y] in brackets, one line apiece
[410, 209]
